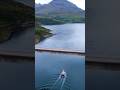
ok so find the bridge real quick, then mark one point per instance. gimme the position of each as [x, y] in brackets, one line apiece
[89, 59]
[60, 51]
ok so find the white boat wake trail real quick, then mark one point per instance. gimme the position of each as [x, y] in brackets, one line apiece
[61, 79]
[62, 84]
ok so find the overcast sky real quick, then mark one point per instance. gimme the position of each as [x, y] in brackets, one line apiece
[79, 3]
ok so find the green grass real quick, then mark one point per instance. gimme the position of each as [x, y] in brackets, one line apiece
[48, 21]
[14, 14]
[41, 33]
[60, 19]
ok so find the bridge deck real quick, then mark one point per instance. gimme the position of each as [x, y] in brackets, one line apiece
[60, 51]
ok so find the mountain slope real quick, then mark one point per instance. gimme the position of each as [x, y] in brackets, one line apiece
[41, 33]
[60, 10]
[59, 7]
[13, 12]
[13, 16]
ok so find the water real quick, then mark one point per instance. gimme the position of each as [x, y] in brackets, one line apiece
[67, 36]
[102, 77]
[16, 73]
[48, 66]
[18, 43]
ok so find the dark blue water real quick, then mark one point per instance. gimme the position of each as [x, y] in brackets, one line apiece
[48, 66]
[16, 73]
[102, 77]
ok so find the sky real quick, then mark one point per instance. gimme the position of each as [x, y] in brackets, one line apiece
[79, 3]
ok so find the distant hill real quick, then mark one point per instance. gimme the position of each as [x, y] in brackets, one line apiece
[60, 10]
[38, 5]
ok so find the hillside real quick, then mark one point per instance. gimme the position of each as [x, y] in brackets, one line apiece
[60, 10]
[41, 33]
[48, 21]
[13, 16]
[13, 12]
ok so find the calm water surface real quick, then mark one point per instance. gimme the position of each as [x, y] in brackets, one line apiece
[48, 66]
[16, 73]
[102, 77]
[67, 36]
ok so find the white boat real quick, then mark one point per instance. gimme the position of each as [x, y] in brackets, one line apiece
[63, 74]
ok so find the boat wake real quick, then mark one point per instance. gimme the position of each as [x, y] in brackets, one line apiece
[59, 84]
[61, 79]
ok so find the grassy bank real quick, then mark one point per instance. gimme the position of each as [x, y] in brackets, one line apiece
[41, 33]
[59, 19]
[4, 35]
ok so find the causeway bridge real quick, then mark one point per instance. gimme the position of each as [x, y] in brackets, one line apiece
[60, 51]
[89, 59]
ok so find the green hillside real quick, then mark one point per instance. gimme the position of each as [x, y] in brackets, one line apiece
[48, 21]
[13, 11]
[60, 19]
[13, 16]
[41, 33]
[59, 12]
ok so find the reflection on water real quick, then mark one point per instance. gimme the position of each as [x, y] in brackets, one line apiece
[67, 36]
[48, 67]
[102, 76]
[16, 73]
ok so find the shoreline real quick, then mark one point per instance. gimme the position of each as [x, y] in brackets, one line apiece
[13, 29]
[7, 48]
[62, 24]
[41, 34]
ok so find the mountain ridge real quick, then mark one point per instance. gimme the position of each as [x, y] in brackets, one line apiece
[58, 12]
[58, 7]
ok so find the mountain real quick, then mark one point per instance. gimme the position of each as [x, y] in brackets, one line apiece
[59, 7]
[60, 10]
[38, 5]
